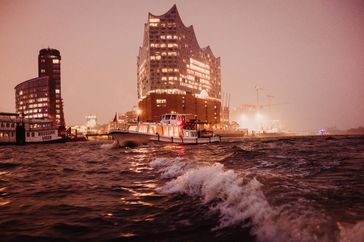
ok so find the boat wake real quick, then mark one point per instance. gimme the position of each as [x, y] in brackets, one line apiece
[109, 146]
[240, 201]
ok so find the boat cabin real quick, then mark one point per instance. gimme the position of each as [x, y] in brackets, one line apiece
[177, 125]
[174, 119]
[173, 125]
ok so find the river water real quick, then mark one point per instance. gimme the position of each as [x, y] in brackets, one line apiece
[259, 189]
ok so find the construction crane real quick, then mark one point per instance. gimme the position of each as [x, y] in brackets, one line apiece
[257, 89]
[269, 101]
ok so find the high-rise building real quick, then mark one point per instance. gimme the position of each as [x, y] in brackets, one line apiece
[41, 97]
[174, 73]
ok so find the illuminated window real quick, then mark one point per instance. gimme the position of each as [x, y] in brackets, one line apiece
[42, 70]
[172, 45]
[161, 102]
[55, 61]
[58, 91]
[154, 20]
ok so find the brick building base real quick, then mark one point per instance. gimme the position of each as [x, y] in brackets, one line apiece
[155, 105]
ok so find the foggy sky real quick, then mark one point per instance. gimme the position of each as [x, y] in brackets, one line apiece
[308, 54]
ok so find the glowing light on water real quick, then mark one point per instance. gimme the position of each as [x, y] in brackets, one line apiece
[2, 203]
[127, 234]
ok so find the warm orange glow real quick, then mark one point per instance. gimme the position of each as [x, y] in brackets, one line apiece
[313, 62]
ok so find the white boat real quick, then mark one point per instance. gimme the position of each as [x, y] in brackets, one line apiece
[173, 128]
[17, 130]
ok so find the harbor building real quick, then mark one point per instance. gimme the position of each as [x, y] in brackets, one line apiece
[174, 74]
[40, 97]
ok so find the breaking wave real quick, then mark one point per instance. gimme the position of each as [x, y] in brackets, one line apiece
[240, 201]
[352, 233]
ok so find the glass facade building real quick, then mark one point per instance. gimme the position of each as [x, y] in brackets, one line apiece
[174, 74]
[41, 97]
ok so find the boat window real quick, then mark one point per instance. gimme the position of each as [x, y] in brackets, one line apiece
[168, 116]
[152, 130]
[160, 130]
[170, 131]
[132, 128]
[143, 129]
[173, 116]
[175, 131]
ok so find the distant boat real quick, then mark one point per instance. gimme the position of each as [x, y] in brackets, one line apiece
[173, 128]
[17, 130]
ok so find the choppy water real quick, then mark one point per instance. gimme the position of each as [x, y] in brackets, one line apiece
[271, 189]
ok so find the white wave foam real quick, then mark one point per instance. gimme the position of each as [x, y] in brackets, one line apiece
[109, 146]
[351, 233]
[169, 168]
[237, 200]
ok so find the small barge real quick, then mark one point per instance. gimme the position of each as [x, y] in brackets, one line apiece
[173, 128]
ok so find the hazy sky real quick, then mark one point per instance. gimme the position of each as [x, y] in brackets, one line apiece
[308, 54]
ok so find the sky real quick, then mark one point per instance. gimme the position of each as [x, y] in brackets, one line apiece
[308, 54]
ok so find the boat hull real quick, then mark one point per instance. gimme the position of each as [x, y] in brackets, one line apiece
[186, 140]
[123, 137]
[58, 140]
